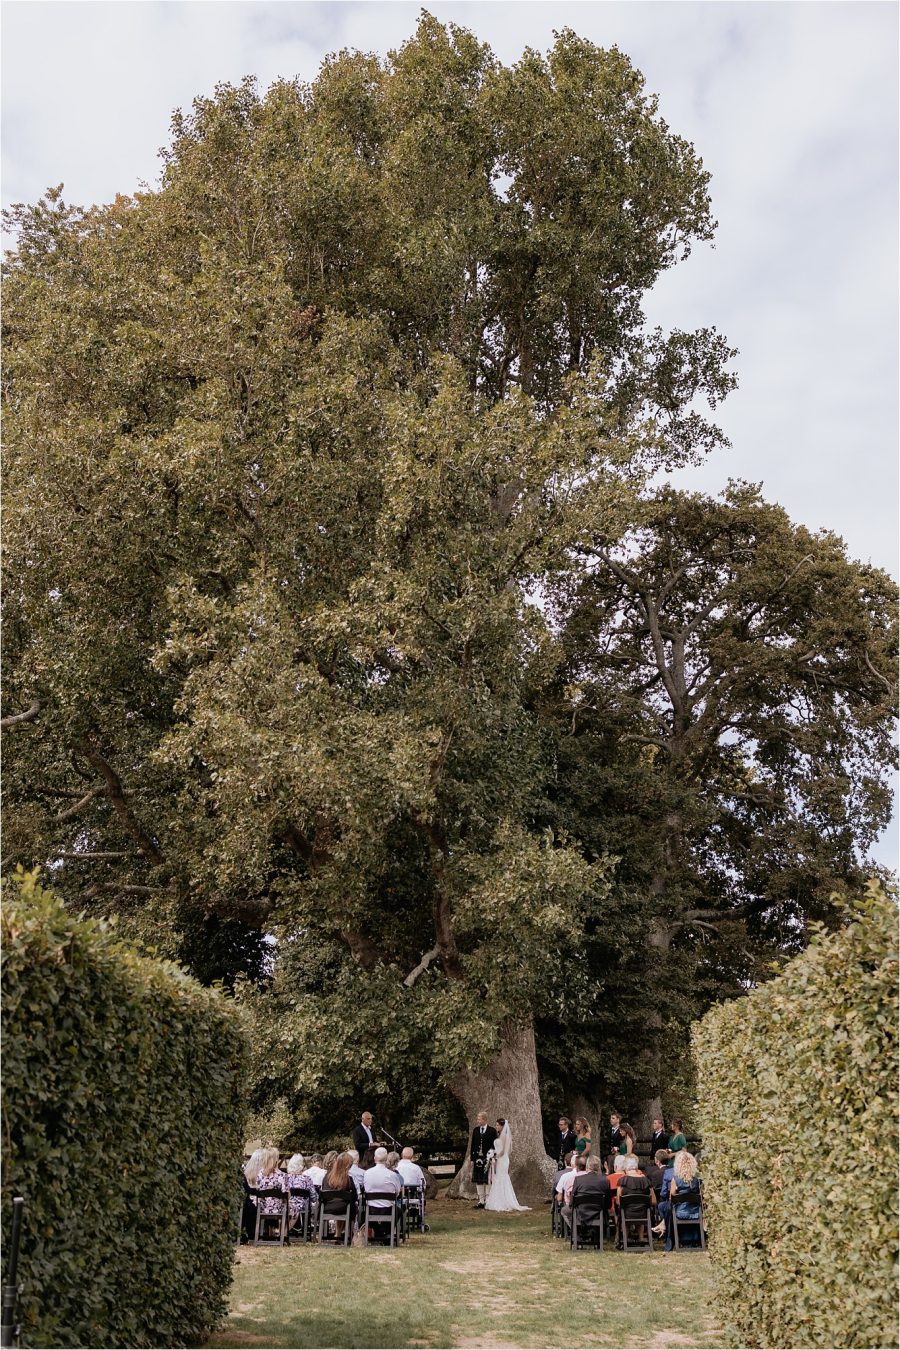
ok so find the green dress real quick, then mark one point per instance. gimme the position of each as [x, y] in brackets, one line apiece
[581, 1145]
[676, 1142]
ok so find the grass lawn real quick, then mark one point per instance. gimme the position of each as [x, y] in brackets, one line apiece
[476, 1279]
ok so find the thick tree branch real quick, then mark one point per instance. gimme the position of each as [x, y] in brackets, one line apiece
[91, 857]
[116, 794]
[15, 719]
[423, 965]
[89, 796]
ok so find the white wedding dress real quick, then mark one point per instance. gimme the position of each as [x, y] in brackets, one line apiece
[502, 1197]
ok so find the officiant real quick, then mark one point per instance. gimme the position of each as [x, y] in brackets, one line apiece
[483, 1139]
[363, 1137]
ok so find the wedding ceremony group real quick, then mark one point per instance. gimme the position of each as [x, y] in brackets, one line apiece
[449, 675]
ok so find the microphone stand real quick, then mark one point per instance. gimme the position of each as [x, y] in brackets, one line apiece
[384, 1130]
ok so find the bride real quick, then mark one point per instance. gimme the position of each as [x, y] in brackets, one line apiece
[502, 1196]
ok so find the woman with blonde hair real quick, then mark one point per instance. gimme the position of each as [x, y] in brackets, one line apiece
[582, 1138]
[264, 1174]
[684, 1198]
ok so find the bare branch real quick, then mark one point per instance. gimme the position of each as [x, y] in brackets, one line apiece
[878, 675]
[422, 966]
[90, 857]
[27, 716]
[89, 796]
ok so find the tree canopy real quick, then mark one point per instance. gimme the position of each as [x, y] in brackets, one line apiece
[341, 603]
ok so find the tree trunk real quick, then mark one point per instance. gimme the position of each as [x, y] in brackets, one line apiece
[508, 1087]
[659, 940]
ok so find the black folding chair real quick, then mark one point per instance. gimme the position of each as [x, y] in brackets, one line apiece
[694, 1198]
[555, 1216]
[414, 1207]
[376, 1217]
[635, 1211]
[306, 1203]
[265, 1221]
[588, 1215]
[335, 1217]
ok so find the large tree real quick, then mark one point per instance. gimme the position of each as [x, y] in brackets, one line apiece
[293, 443]
[725, 718]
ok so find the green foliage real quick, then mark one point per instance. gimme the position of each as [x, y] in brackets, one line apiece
[796, 1082]
[123, 1110]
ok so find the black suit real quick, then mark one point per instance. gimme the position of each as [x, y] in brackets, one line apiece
[659, 1140]
[482, 1143]
[361, 1140]
[566, 1142]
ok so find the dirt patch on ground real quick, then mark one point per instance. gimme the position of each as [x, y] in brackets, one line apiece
[660, 1339]
[245, 1338]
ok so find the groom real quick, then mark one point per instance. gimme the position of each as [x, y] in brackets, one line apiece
[483, 1138]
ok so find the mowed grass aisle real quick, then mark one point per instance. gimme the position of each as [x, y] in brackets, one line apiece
[475, 1280]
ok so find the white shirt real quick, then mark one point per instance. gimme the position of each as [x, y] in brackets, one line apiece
[317, 1174]
[411, 1172]
[561, 1184]
[358, 1175]
[381, 1178]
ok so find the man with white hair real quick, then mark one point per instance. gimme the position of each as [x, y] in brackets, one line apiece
[380, 1178]
[356, 1171]
[413, 1175]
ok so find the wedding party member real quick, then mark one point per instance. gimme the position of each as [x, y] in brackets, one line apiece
[660, 1138]
[627, 1140]
[566, 1141]
[615, 1138]
[483, 1139]
[363, 1137]
[677, 1140]
[582, 1138]
[502, 1197]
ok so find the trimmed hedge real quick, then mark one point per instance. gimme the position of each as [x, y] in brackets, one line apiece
[798, 1111]
[122, 1098]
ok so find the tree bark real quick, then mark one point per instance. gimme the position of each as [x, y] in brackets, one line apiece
[508, 1087]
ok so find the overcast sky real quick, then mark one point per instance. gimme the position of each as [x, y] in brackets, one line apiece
[793, 107]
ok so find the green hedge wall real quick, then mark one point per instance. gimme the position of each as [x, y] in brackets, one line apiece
[123, 1120]
[798, 1111]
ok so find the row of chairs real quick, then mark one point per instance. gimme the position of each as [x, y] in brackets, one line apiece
[395, 1220]
[631, 1223]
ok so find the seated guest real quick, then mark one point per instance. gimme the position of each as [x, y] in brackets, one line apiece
[248, 1215]
[684, 1200]
[564, 1177]
[356, 1171]
[662, 1205]
[266, 1175]
[329, 1158]
[410, 1171]
[299, 1180]
[369, 1157]
[655, 1168]
[590, 1182]
[633, 1182]
[339, 1181]
[566, 1167]
[578, 1168]
[659, 1137]
[315, 1171]
[379, 1177]
[392, 1160]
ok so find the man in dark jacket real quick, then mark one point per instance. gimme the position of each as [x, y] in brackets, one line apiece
[591, 1182]
[483, 1139]
[566, 1140]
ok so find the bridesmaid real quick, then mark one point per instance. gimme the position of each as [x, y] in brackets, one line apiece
[582, 1138]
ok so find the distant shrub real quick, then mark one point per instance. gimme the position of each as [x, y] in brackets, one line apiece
[798, 1111]
[123, 1126]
